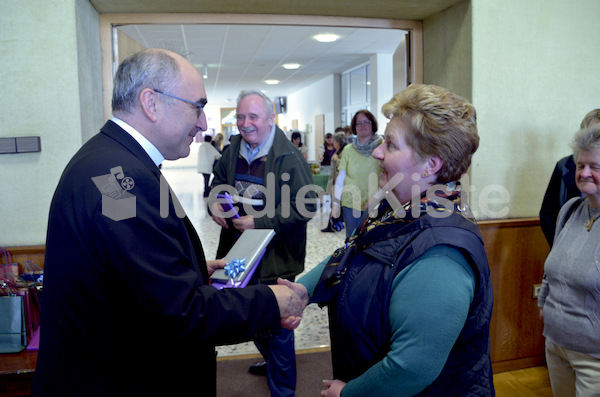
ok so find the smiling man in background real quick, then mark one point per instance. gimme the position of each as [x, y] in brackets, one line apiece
[262, 158]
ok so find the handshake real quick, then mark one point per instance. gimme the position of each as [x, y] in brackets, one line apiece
[292, 298]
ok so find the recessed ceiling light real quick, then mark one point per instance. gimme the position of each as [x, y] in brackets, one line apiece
[326, 37]
[291, 65]
[272, 82]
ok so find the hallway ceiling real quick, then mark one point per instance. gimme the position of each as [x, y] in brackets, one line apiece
[239, 57]
[244, 56]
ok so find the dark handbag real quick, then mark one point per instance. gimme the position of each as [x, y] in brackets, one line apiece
[13, 334]
[32, 273]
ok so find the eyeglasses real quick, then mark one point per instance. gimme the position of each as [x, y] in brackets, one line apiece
[198, 105]
[359, 123]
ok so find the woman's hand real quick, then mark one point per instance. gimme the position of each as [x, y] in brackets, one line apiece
[334, 388]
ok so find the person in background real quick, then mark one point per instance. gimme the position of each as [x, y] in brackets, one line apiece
[327, 149]
[562, 186]
[297, 141]
[207, 157]
[127, 306]
[262, 151]
[409, 295]
[569, 299]
[356, 168]
[218, 142]
[339, 142]
[350, 134]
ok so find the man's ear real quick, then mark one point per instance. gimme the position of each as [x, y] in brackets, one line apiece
[148, 104]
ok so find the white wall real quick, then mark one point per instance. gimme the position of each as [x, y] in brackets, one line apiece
[305, 104]
[535, 76]
[531, 70]
[382, 86]
[41, 94]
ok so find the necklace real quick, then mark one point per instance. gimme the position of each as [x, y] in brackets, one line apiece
[592, 219]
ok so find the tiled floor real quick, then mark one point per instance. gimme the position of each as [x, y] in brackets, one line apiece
[188, 185]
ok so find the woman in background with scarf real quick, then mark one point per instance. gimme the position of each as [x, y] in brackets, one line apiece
[356, 169]
[409, 295]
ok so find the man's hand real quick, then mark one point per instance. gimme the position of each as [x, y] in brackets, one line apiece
[211, 266]
[292, 298]
[243, 223]
[334, 388]
[217, 209]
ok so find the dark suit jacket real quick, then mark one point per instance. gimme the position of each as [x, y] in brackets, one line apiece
[126, 307]
[561, 188]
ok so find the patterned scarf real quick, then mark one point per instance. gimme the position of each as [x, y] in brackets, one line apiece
[368, 147]
[387, 221]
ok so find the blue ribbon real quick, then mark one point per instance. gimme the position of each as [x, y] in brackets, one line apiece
[233, 268]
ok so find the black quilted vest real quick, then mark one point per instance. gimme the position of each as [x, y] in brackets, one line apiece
[359, 322]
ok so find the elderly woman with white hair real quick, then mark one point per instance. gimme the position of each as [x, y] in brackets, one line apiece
[569, 299]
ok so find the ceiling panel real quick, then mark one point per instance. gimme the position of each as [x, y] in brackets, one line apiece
[239, 57]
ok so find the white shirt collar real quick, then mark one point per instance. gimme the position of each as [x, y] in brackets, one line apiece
[261, 150]
[148, 147]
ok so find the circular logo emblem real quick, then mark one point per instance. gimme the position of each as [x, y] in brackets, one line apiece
[127, 183]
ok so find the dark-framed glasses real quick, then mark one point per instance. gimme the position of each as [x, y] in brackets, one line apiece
[199, 106]
[359, 123]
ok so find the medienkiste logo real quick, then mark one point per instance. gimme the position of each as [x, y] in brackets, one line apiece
[117, 202]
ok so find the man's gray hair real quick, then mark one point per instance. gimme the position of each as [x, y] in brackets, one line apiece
[152, 68]
[269, 110]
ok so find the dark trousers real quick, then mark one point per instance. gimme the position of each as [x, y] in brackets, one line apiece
[350, 220]
[280, 354]
[206, 184]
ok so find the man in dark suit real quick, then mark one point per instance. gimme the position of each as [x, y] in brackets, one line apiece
[127, 309]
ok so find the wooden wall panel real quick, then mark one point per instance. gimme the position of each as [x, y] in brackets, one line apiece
[33, 253]
[516, 252]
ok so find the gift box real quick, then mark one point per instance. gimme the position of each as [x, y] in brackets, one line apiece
[243, 259]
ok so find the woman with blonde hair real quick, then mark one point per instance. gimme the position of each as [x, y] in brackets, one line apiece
[409, 295]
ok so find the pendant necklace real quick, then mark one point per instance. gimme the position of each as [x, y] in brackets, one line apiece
[591, 221]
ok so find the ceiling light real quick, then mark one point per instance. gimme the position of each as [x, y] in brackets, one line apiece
[291, 66]
[326, 37]
[205, 75]
[272, 82]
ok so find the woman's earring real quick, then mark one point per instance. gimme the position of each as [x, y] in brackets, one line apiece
[425, 174]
